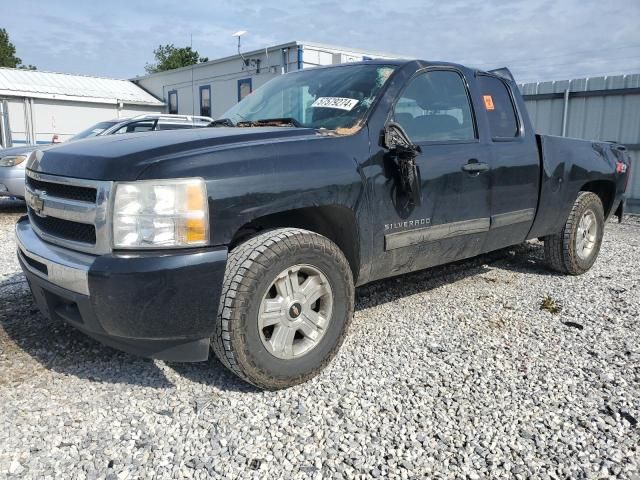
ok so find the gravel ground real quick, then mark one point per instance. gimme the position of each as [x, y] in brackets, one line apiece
[452, 373]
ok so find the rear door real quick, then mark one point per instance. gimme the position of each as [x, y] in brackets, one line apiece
[453, 217]
[515, 164]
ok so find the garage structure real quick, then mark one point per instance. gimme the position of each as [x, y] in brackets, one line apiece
[595, 108]
[35, 105]
[210, 88]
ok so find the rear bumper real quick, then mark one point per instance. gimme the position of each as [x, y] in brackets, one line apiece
[156, 304]
[12, 182]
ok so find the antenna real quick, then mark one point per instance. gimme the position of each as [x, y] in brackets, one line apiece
[239, 34]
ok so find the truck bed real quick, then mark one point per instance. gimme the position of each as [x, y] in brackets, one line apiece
[567, 166]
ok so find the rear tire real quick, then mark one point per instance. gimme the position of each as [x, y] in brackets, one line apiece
[286, 304]
[574, 250]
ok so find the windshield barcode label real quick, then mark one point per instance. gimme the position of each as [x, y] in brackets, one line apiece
[335, 102]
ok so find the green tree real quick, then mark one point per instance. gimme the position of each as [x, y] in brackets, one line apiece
[169, 57]
[8, 53]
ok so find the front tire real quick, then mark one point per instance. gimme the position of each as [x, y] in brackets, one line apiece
[286, 304]
[574, 250]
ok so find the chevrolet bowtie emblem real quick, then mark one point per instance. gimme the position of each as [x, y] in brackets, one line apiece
[36, 202]
[295, 310]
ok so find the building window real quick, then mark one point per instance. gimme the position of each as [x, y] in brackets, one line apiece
[205, 100]
[173, 101]
[244, 88]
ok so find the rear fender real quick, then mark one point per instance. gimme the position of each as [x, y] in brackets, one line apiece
[568, 167]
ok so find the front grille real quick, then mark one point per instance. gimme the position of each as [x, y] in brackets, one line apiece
[68, 230]
[61, 190]
[70, 212]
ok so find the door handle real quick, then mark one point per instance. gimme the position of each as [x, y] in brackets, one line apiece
[473, 166]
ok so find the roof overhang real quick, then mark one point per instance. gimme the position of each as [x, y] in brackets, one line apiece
[76, 98]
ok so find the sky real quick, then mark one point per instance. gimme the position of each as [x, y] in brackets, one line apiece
[538, 39]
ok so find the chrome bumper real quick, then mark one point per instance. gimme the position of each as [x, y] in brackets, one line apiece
[64, 268]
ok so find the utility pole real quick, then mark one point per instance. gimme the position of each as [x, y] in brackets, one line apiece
[193, 93]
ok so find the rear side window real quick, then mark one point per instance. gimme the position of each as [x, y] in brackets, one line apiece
[173, 126]
[497, 103]
[435, 107]
[142, 126]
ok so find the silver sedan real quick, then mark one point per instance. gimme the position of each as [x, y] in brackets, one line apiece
[13, 160]
[12, 163]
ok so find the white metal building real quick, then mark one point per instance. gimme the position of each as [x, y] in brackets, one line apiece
[212, 87]
[39, 104]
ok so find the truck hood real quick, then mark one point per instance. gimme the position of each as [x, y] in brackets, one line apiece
[125, 157]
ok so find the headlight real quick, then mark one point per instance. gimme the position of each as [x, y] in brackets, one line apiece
[160, 213]
[12, 160]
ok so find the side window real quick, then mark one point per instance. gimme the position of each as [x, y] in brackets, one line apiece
[173, 102]
[499, 107]
[435, 107]
[205, 100]
[142, 126]
[173, 126]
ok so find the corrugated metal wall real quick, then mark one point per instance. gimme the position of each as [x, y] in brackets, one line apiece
[597, 108]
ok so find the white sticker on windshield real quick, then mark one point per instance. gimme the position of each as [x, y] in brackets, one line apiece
[335, 102]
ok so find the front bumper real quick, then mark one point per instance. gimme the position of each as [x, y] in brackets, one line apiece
[154, 304]
[12, 181]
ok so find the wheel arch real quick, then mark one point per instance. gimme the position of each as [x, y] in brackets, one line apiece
[336, 222]
[605, 190]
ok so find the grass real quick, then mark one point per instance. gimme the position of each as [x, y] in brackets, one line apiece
[550, 305]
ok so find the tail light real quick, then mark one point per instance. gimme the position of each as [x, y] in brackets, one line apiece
[623, 163]
[621, 167]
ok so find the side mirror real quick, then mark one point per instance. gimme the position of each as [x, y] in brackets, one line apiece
[397, 140]
[405, 152]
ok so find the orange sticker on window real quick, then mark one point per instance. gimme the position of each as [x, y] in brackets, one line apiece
[488, 102]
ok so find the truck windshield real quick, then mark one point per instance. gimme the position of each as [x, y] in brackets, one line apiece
[331, 98]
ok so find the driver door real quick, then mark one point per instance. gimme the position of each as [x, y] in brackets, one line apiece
[452, 217]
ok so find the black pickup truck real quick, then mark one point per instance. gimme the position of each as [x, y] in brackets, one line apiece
[248, 238]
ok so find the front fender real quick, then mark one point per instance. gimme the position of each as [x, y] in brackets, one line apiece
[287, 176]
[251, 180]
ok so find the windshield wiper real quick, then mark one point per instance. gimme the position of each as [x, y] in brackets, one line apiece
[270, 122]
[222, 122]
